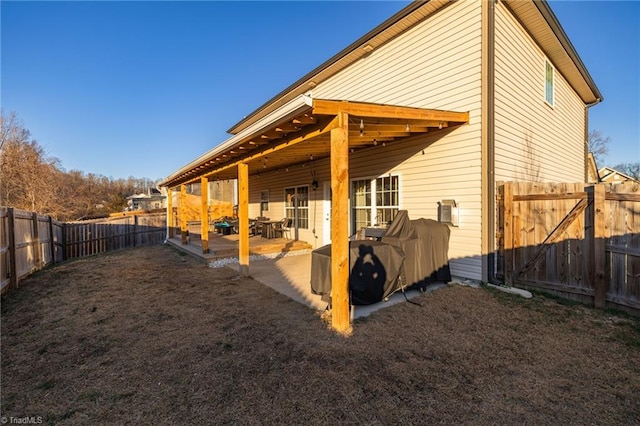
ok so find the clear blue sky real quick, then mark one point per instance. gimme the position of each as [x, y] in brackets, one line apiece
[142, 88]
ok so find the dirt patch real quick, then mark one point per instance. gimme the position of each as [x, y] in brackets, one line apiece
[150, 335]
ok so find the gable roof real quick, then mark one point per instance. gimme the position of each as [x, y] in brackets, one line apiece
[535, 15]
[609, 175]
[290, 117]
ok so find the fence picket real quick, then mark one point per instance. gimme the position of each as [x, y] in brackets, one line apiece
[595, 259]
[30, 246]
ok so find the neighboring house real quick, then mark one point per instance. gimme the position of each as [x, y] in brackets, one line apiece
[439, 102]
[151, 199]
[609, 175]
[593, 176]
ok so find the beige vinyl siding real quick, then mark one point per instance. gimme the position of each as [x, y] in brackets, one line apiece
[277, 182]
[435, 64]
[424, 180]
[533, 141]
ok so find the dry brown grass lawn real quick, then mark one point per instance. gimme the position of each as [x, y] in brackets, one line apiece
[152, 336]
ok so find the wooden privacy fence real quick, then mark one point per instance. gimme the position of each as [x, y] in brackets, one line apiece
[29, 241]
[578, 241]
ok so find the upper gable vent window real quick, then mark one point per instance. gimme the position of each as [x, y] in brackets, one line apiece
[548, 83]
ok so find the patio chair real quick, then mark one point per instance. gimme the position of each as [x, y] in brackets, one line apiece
[258, 224]
[281, 229]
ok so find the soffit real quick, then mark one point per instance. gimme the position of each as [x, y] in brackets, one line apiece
[538, 19]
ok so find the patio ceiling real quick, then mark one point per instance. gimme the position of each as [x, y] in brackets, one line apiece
[304, 136]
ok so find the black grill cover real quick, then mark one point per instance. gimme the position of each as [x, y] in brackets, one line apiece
[425, 244]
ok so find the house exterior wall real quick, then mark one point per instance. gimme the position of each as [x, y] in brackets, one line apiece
[533, 140]
[436, 64]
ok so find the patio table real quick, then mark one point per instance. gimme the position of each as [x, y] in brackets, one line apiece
[267, 228]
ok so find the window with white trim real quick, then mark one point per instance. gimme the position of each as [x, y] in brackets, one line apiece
[374, 201]
[264, 201]
[548, 83]
[297, 196]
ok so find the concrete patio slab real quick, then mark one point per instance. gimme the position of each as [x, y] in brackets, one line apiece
[291, 275]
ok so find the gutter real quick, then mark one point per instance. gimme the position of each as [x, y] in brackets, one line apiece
[547, 13]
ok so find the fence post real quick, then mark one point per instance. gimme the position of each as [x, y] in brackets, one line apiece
[36, 242]
[135, 230]
[65, 246]
[13, 278]
[507, 216]
[596, 244]
[52, 242]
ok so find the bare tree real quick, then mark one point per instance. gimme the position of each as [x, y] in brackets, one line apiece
[598, 145]
[32, 180]
[25, 169]
[11, 129]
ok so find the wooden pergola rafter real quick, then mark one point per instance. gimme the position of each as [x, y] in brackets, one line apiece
[325, 129]
[281, 144]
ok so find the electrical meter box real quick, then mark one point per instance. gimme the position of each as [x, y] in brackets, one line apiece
[448, 212]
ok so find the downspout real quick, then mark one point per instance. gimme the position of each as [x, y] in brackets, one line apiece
[488, 139]
[586, 139]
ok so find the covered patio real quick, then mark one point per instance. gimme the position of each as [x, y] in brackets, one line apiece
[295, 133]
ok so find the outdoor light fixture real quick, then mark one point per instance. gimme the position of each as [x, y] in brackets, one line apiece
[440, 126]
[375, 142]
[408, 129]
[361, 127]
[311, 157]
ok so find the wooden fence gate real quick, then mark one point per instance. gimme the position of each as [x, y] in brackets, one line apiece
[578, 241]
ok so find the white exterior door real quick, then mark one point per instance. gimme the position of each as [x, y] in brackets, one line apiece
[326, 213]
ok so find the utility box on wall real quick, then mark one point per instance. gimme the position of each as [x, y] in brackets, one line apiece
[448, 212]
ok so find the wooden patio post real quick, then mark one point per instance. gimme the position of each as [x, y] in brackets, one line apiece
[183, 213]
[204, 214]
[340, 320]
[596, 241]
[170, 218]
[243, 218]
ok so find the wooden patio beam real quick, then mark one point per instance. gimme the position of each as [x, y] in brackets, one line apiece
[340, 320]
[243, 216]
[204, 214]
[359, 109]
[183, 213]
[170, 231]
[286, 143]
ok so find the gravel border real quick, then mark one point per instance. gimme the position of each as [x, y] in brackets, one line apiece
[221, 263]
